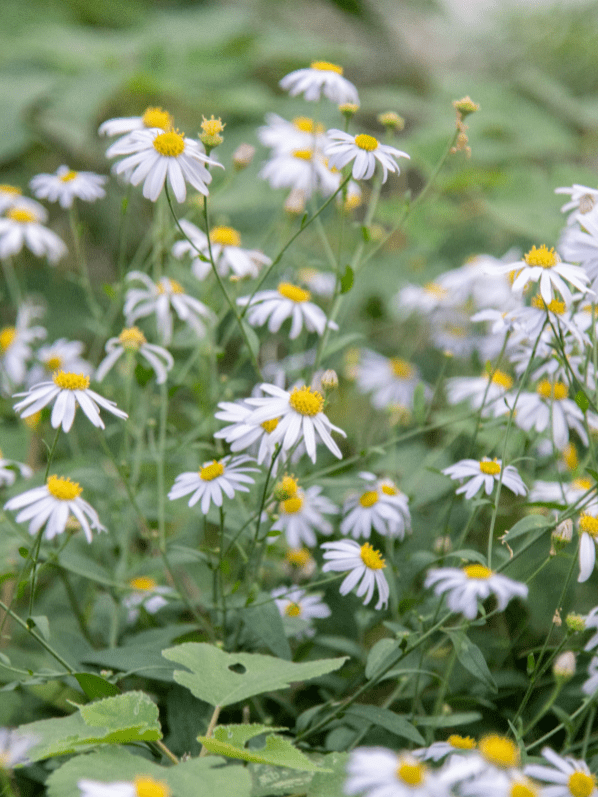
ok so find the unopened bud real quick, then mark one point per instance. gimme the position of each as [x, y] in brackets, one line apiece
[562, 535]
[211, 129]
[465, 106]
[348, 109]
[329, 380]
[564, 666]
[391, 120]
[443, 545]
[285, 489]
[575, 622]
[243, 156]
[295, 202]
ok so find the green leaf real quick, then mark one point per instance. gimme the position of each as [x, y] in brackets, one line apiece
[419, 403]
[531, 664]
[265, 622]
[527, 524]
[41, 623]
[379, 652]
[444, 721]
[593, 474]
[396, 724]
[86, 566]
[333, 781]
[347, 280]
[120, 719]
[340, 342]
[222, 679]
[230, 741]
[582, 401]
[204, 776]
[472, 659]
[95, 687]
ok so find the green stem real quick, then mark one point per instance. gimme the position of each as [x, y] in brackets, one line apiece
[12, 283]
[82, 261]
[37, 637]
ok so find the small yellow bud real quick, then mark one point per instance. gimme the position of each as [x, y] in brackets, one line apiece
[348, 109]
[391, 120]
[465, 106]
[575, 622]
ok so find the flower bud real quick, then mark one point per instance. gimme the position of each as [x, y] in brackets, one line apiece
[443, 545]
[243, 156]
[575, 622]
[391, 120]
[329, 380]
[295, 202]
[562, 535]
[212, 128]
[285, 489]
[564, 666]
[465, 106]
[348, 109]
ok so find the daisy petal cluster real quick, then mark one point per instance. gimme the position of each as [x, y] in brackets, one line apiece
[214, 480]
[132, 340]
[485, 473]
[563, 775]
[67, 184]
[364, 151]
[288, 301]
[464, 587]
[321, 77]
[381, 507]
[301, 515]
[146, 593]
[296, 603]
[22, 226]
[141, 785]
[365, 566]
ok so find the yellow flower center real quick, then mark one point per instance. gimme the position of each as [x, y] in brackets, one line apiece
[7, 336]
[6, 189]
[436, 290]
[169, 144]
[173, 287]
[21, 215]
[502, 379]
[293, 292]
[554, 306]
[63, 488]
[146, 787]
[293, 610]
[466, 743]
[143, 583]
[306, 401]
[292, 505]
[550, 390]
[401, 368]
[326, 66]
[522, 789]
[411, 774]
[582, 483]
[287, 488]
[544, 257]
[70, 175]
[589, 524]
[581, 783]
[372, 558]
[298, 557]
[369, 498]
[68, 381]
[304, 155]
[389, 489]
[489, 467]
[226, 236]
[365, 142]
[132, 338]
[212, 126]
[570, 457]
[304, 124]
[270, 425]
[211, 471]
[477, 571]
[499, 751]
[156, 117]
[53, 363]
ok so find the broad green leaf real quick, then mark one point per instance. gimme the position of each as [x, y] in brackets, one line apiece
[230, 741]
[388, 720]
[444, 721]
[347, 280]
[82, 565]
[472, 659]
[95, 687]
[528, 524]
[275, 780]
[222, 679]
[379, 652]
[120, 719]
[333, 781]
[196, 776]
[582, 401]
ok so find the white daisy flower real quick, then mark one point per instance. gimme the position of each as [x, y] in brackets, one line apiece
[320, 283]
[301, 516]
[12, 195]
[484, 473]
[364, 151]
[588, 528]
[215, 478]
[465, 586]
[15, 345]
[583, 200]
[391, 381]
[365, 565]
[9, 470]
[287, 302]
[380, 771]
[440, 749]
[228, 255]
[62, 355]
[141, 785]
[324, 78]
[569, 776]
[241, 435]
[478, 392]
[51, 505]
[532, 320]
[381, 507]
[545, 265]
[563, 493]
[304, 171]
[66, 184]
[147, 593]
[153, 155]
[300, 416]
[296, 603]
[160, 298]
[549, 405]
[13, 747]
[151, 117]
[591, 622]
[424, 299]
[133, 340]
[590, 686]
[66, 391]
[22, 226]
[283, 136]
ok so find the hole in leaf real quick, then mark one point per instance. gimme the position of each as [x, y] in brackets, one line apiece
[237, 668]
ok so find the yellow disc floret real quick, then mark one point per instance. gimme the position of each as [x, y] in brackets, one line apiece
[132, 338]
[411, 773]
[581, 784]
[524, 788]
[589, 524]
[212, 126]
[466, 743]
[544, 257]
[293, 292]
[211, 471]
[170, 144]
[293, 610]
[371, 557]
[147, 787]
[68, 381]
[21, 215]
[156, 117]
[53, 363]
[173, 287]
[6, 189]
[552, 390]
[225, 236]
[554, 306]
[143, 583]
[304, 124]
[7, 336]
[303, 155]
[292, 505]
[490, 467]
[369, 498]
[502, 379]
[270, 425]
[306, 401]
[477, 571]
[401, 368]
[582, 483]
[390, 489]
[63, 488]
[365, 142]
[326, 66]
[435, 290]
[70, 175]
[298, 557]
[499, 751]
[286, 488]
[570, 456]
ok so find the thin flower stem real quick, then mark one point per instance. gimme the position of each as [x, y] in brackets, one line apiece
[37, 637]
[167, 752]
[546, 708]
[210, 730]
[254, 568]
